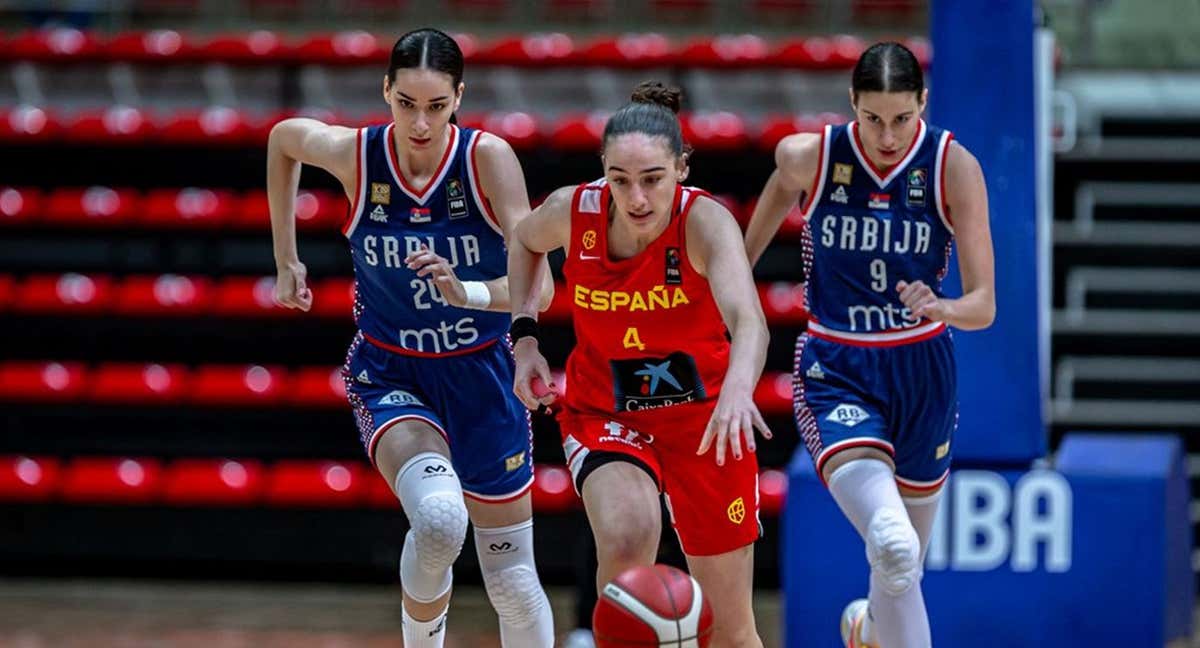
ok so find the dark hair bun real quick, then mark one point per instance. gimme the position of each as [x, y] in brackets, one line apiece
[656, 92]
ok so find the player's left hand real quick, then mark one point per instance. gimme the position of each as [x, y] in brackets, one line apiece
[735, 418]
[921, 300]
[426, 263]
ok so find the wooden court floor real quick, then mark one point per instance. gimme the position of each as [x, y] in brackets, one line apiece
[184, 614]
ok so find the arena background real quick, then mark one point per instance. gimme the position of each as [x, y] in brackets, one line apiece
[179, 467]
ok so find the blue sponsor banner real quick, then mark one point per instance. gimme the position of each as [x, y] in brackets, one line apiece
[1094, 553]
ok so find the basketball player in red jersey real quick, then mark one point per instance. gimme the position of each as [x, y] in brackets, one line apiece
[660, 397]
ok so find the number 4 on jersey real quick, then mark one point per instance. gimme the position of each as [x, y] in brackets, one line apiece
[632, 341]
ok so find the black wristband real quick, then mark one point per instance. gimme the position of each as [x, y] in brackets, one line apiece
[523, 326]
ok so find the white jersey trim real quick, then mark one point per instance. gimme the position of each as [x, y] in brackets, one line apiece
[936, 180]
[865, 163]
[473, 180]
[822, 172]
[589, 198]
[436, 181]
[360, 195]
[884, 336]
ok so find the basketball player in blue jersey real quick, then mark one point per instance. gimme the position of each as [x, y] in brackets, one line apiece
[429, 373]
[883, 197]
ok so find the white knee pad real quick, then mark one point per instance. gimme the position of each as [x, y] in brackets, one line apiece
[432, 498]
[894, 550]
[509, 574]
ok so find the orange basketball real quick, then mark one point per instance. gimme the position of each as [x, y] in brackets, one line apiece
[653, 605]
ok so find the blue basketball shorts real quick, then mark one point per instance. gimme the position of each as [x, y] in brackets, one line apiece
[468, 398]
[900, 399]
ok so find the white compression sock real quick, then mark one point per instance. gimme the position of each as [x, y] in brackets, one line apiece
[424, 634]
[510, 577]
[922, 511]
[866, 491]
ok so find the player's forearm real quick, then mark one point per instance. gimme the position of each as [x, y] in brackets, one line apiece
[773, 206]
[747, 351]
[283, 179]
[973, 311]
[502, 296]
[525, 282]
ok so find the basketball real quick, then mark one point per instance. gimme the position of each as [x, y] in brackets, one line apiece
[653, 605]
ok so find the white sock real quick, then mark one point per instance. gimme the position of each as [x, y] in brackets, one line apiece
[424, 634]
[862, 487]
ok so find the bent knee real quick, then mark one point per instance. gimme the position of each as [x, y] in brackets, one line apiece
[439, 528]
[516, 594]
[894, 550]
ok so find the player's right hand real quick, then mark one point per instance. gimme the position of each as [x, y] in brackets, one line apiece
[290, 287]
[530, 364]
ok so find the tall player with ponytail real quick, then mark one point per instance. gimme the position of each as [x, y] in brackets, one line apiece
[884, 198]
[431, 207]
[659, 399]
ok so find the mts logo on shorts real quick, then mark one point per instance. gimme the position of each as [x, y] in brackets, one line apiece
[649, 383]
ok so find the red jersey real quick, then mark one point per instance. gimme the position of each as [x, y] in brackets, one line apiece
[648, 332]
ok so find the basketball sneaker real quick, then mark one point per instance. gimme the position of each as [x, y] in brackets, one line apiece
[852, 620]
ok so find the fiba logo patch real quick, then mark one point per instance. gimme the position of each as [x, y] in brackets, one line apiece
[736, 511]
[514, 462]
[848, 415]
[399, 397]
[381, 193]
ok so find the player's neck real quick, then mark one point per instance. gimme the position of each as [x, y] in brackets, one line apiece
[624, 242]
[417, 165]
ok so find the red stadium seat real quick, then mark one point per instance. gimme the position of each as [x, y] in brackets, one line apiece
[819, 53]
[164, 295]
[53, 45]
[42, 381]
[29, 479]
[783, 303]
[742, 50]
[246, 297]
[317, 387]
[532, 50]
[625, 51]
[343, 48]
[19, 205]
[579, 132]
[29, 124]
[333, 298]
[115, 125]
[379, 494]
[138, 384]
[773, 394]
[226, 385]
[772, 491]
[260, 46]
[213, 482]
[553, 491]
[317, 484]
[94, 206]
[315, 211]
[111, 480]
[520, 130]
[715, 131]
[159, 45]
[777, 127]
[189, 207]
[68, 293]
[211, 126]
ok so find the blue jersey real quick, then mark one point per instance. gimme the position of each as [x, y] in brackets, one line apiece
[868, 230]
[394, 308]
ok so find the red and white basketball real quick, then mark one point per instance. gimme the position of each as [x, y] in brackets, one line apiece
[652, 606]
